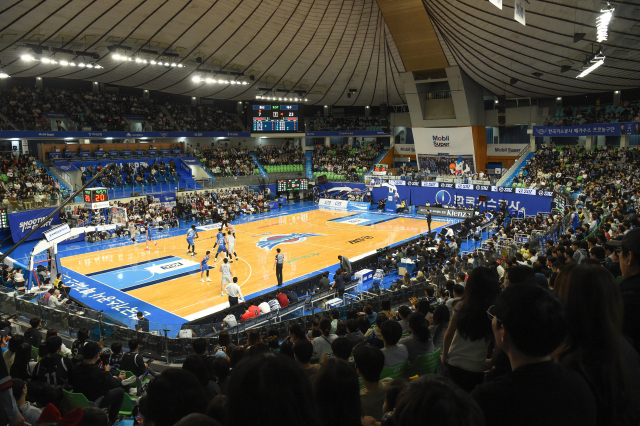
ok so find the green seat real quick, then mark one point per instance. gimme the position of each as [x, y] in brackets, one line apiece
[34, 353]
[76, 400]
[127, 405]
[425, 364]
[394, 371]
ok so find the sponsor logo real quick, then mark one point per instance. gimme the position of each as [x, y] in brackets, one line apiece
[46, 134]
[197, 134]
[430, 184]
[261, 235]
[28, 225]
[407, 149]
[525, 191]
[443, 197]
[441, 141]
[544, 193]
[464, 186]
[302, 257]
[482, 187]
[355, 221]
[359, 240]
[171, 266]
[514, 150]
[540, 131]
[446, 185]
[269, 243]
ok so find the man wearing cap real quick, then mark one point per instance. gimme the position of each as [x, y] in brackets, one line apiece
[630, 285]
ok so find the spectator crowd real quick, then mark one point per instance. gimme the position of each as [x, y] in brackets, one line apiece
[624, 112]
[348, 122]
[344, 159]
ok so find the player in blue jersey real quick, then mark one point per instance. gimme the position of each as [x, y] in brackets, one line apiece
[204, 267]
[191, 234]
[149, 235]
[221, 243]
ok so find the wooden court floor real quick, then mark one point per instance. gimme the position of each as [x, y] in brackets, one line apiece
[187, 295]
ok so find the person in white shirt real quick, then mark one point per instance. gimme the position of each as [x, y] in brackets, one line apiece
[233, 291]
[229, 321]
[54, 301]
[263, 306]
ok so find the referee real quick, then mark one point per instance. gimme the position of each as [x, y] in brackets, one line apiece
[278, 266]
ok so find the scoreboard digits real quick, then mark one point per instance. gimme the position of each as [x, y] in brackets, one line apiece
[96, 198]
[293, 185]
[275, 118]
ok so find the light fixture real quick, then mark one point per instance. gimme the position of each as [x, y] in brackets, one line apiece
[209, 80]
[557, 99]
[64, 63]
[27, 58]
[4, 75]
[596, 62]
[81, 65]
[39, 78]
[327, 106]
[196, 79]
[602, 23]
[153, 62]
[116, 57]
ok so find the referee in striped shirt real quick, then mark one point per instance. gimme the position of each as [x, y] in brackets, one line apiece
[278, 266]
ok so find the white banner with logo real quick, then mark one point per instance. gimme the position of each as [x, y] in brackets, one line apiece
[405, 149]
[444, 150]
[497, 3]
[505, 149]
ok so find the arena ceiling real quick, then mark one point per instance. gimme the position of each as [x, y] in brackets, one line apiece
[493, 48]
[321, 50]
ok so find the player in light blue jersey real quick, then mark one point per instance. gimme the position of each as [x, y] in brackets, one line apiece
[191, 234]
[205, 267]
[221, 243]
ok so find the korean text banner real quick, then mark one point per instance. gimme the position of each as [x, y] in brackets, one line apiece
[611, 129]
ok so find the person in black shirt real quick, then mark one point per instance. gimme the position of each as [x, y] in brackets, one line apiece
[428, 216]
[143, 323]
[324, 283]
[339, 282]
[93, 379]
[53, 369]
[77, 345]
[132, 361]
[33, 336]
[292, 296]
[529, 323]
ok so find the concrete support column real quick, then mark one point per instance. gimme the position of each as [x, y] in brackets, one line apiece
[532, 143]
[624, 141]
[589, 143]
[327, 141]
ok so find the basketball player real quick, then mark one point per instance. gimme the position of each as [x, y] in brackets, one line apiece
[231, 230]
[231, 240]
[148, 226]
[205, 267]
[227, 275]
[221, 243]
[191, 234]
[132, 232]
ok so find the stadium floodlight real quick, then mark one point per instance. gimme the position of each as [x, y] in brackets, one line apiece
[153, 62]
[596, 62]
[196, 79]
[89, 65]
[210, 80]
[27, 58]
[64, 63]
[4, 75]
[602, 23]
[72, 64]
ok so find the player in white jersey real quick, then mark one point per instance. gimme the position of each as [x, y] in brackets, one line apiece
[231, 247]
[132, 232]
[227, 274]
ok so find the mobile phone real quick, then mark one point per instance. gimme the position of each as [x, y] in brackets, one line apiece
[331, 356]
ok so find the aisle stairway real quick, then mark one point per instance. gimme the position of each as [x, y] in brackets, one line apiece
[516, 172]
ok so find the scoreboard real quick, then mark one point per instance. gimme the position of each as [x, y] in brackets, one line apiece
[96, 198]
[293, 185]
[276, 117]
[4, 222]
[380, 169]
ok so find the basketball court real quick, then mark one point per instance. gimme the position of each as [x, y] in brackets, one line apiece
[167, 278]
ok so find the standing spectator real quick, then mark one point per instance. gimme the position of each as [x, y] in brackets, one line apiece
[630, 285]
[529, 323]
[466, 341]
[143, 323]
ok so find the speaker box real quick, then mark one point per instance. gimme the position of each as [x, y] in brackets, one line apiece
[383, 110]
[502, 120]
[502, 104]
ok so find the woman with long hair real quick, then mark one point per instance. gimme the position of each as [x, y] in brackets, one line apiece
[466, 341]
[595, 346]
[21, 368]
[439, 324]
[419, 341]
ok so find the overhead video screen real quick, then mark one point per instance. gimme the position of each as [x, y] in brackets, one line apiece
[276, 117]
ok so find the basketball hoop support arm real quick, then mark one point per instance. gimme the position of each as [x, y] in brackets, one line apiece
[53, 213]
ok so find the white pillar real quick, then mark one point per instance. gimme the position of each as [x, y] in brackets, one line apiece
[589, 143]
[532, 143]
[327, 141]
[624, 141]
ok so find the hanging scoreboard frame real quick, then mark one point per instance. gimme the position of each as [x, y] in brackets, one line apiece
[96, 198]
[276, 117]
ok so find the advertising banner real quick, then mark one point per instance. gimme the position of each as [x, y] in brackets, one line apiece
[333, 204]
[404, 149]
[39, 134]
[308, 161]
[611, 129]
[446, 212]
[505, 149]
[359, 205]
[444, 150]
[21, 223]
[349, 133]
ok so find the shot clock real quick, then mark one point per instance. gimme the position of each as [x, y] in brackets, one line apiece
[96, 198]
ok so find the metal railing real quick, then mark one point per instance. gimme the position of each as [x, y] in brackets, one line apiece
[515, 165]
